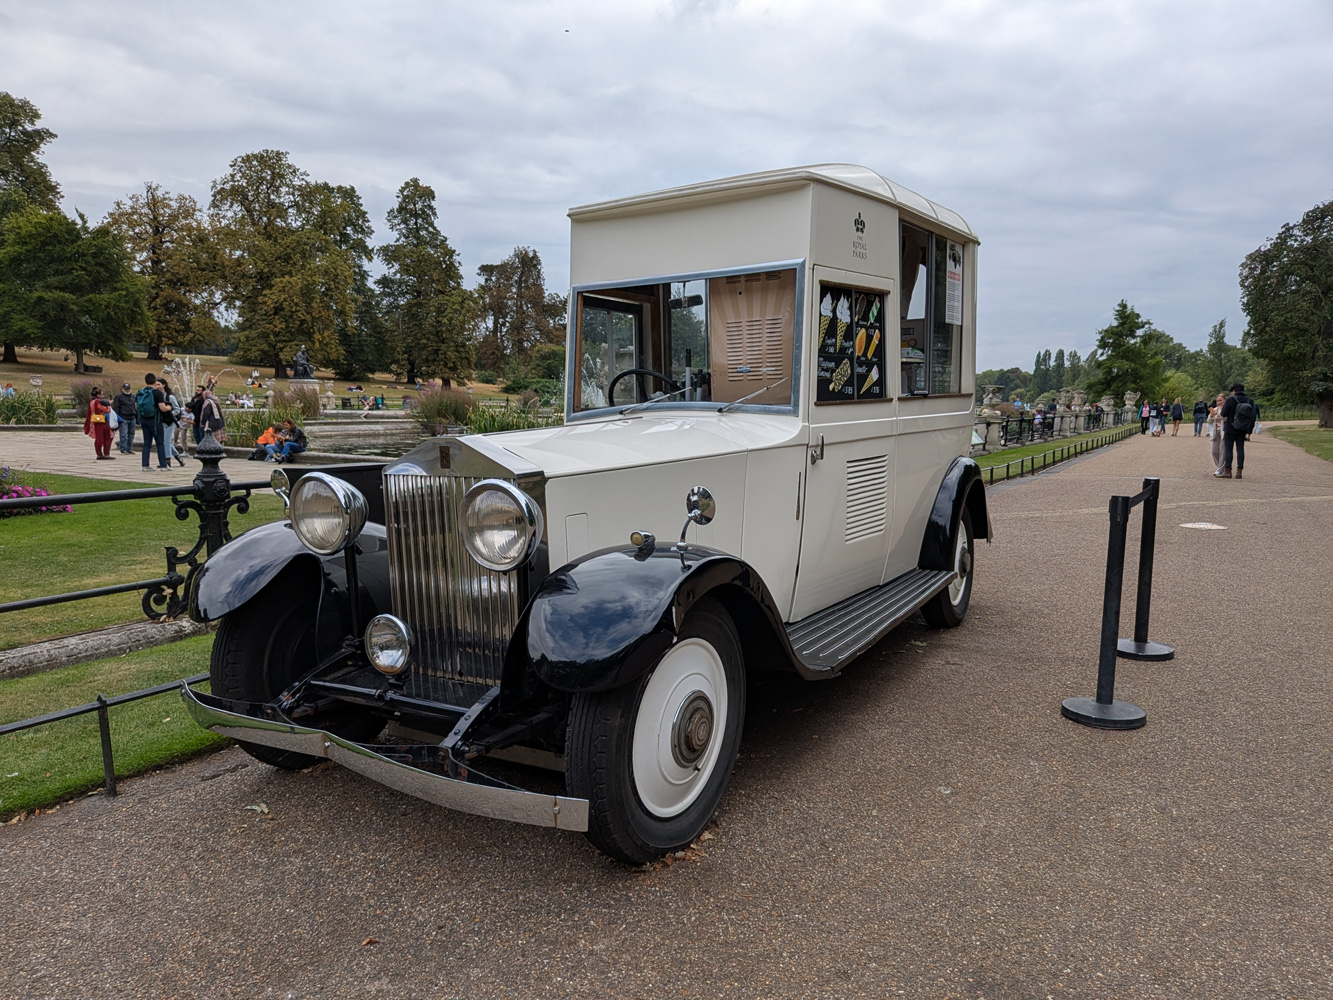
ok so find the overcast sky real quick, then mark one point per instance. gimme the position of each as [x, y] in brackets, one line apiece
[1103, 150]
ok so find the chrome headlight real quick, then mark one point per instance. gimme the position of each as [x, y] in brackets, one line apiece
[326, 513]
[501, 524]
[388, 644]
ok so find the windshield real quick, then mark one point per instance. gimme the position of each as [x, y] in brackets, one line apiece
[707, 339]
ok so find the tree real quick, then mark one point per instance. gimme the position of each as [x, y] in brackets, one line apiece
[1058, 370]
[24, 179]
[1126, 360]
[426, 308]
[67, 286]
[1286, 290]
[1074, 368]
[1041, 374]
[1219, 364]
[169, 241]
[516, 311]
[290, 252]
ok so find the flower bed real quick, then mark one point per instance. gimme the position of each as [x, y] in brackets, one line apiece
[12, 488]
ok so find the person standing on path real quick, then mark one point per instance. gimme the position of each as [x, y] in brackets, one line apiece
[1177, 415]
[1215, 432]
[151, 405]
[1144, 414]
[172, 419]
[210, 417]
[1237, 422]
[96, 427]
[1154, 419]
[196, 408]
[123, 404]
[1200, 415]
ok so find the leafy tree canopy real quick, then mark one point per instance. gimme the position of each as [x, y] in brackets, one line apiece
[169, 241]
[516, 310]
[1286, 290]
[1127, 361]
[24, 179]
[68, 286]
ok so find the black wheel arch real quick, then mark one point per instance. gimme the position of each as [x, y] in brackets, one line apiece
[962, 487]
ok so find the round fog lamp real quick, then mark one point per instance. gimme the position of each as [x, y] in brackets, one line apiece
[326, 513]
[501, 524]
[388, 644]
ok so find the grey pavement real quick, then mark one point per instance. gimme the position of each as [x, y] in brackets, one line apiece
[926, 826]
[71, 453]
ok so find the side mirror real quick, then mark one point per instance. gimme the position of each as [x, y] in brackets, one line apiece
[700, 507]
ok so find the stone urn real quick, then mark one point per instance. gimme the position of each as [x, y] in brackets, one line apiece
[1079, 398]
[1131, 398]
[991, 397]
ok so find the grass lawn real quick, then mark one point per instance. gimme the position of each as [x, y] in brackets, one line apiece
[95, 546]
[41, 766]
[57, 374]
[1317, 441]
[999, 458]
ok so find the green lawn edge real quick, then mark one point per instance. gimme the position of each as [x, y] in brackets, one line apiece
[58, 761]
[1318, 441]
[1001, 458]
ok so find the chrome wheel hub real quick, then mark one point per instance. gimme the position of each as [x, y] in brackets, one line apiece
[693, 729]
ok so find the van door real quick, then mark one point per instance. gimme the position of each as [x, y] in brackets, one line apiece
[848, 516]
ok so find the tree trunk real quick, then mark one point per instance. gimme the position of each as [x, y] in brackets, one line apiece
[78, 360]
[11, 355]
[1325, 400]
[154, 352]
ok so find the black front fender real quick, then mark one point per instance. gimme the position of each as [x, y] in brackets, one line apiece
[244, 566]
[961, 487]
[601, 621]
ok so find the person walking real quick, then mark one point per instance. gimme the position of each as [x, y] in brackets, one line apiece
[1200, 415]
[196, 406]
[172, 420]
[210, 417]
[1215, 432]
[150, 405]
[1177, 415]
[96, 427]
[123, 404]
[1237, 422]
[1154, 419]
[1145, 413]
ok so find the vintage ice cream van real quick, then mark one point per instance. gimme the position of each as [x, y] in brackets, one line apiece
[762, 466]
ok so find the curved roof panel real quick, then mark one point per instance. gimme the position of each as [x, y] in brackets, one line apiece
[849, 176]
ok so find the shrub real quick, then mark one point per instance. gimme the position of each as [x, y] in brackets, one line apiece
[303, 400]
[243, 427]
[436, 409]
[547, 361]
[81, 392]
[485, 419]
[483, 375]
[12, 487]
[28, 408]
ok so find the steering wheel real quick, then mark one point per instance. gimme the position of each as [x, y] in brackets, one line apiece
[611, 389]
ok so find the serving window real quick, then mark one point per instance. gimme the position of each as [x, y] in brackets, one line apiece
[706, 339]
[931, 316]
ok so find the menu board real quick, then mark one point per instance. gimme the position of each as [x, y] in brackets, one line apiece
[850, 360]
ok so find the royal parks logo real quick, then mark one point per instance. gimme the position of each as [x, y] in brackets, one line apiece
[860, 249]
[860, 224]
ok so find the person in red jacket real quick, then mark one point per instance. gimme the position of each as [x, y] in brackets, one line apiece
[95, 425]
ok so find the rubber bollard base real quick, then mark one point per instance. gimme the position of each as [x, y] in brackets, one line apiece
[1091, 712]
[1132, 650]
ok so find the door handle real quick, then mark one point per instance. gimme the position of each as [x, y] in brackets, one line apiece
[817, 453]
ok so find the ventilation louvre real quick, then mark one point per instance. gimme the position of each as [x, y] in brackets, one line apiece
[867, 496]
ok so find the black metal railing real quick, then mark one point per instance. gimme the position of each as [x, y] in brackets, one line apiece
[1029, 464]
[210, 497]
[100, 706]
[1032, 428]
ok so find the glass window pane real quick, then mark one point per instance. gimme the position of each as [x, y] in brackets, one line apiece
[687, 309]
[947, 325]
[608, 338]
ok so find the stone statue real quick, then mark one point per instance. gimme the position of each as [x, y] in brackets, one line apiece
[301, 366]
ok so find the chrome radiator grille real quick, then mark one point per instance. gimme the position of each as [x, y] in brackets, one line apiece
[461, 614]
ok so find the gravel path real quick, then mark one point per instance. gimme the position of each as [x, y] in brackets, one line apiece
[926, 826]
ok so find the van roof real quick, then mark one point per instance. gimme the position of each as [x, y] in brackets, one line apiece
[849, 176]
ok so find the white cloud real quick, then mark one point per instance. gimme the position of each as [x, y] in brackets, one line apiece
[1103, 150]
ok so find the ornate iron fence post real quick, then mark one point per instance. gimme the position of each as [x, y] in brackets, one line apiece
[212, 489]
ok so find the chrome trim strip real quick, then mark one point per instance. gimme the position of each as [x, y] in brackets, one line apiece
[558, 811]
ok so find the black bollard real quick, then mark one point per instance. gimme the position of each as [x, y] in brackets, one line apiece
[1104, 711]
[1139, 648]
[108, 764]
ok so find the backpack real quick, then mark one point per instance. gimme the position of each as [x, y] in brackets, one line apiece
[1242, 421]
[144, 404]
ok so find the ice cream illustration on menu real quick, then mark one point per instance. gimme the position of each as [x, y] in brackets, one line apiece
[871, 379]
[825, 313]
[844, 313]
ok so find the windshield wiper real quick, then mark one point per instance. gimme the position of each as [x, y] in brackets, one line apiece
[737, 402]
[648, 402]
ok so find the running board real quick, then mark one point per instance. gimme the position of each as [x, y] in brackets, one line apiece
[830, 639]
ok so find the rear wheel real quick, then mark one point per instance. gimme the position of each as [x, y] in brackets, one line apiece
[948, 608]
[265, 645]
[653, 758]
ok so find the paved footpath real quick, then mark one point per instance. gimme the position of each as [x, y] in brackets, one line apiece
[927, 826]
[71, 453]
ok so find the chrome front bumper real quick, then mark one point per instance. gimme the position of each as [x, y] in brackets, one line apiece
[511, 804]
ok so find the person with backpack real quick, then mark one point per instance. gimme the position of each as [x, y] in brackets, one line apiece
[151, 407]
[1238, 417]
[1200, 415]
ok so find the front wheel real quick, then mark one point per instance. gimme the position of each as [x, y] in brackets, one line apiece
[653, 758]
[947, 608]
